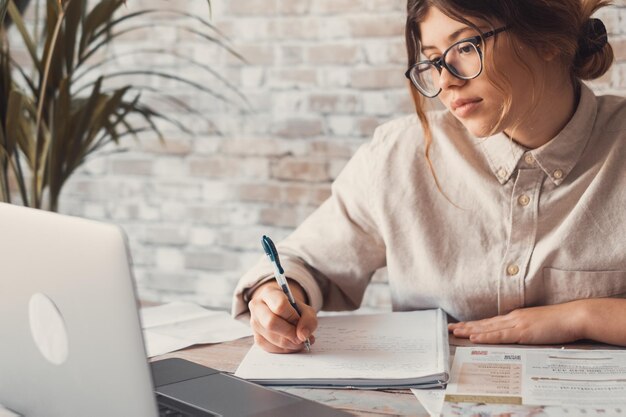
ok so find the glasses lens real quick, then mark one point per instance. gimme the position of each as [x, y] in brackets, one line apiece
[425, 77]
[463, 59]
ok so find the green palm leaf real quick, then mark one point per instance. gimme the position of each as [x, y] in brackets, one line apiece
[55, 119]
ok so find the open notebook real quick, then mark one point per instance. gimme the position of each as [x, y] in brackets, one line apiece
[389, 350]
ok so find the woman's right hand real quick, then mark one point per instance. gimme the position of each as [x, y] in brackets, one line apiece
[276, 325]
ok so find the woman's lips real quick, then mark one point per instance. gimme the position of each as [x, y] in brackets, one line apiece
[463, 107]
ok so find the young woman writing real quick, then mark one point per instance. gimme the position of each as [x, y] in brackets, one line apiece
[505, 209]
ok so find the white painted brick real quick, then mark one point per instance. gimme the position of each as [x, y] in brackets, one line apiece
[261, 146]
[94, 166]
[171, 235]
[286, 102]
[214, 290]
[223, 214]
[125, 212]
[209, 259]
[143, 257]
[334, 77]
[202, 236]
[341, 125]
[252, 77]
[174, 282]
[216, 191]
[174, 190]
[149, 212]
[203, 144]
[94, 211]
[375, 102]
[619, 77]
[172, 211]
[169, 259]
[170, 167]
[376, 52]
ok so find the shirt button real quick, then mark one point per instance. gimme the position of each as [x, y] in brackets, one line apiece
[529, 159]
[523, 200]
[501, 173]
[558, 174]
[512, 269]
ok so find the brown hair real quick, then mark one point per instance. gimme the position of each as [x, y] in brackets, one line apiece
[558, 25]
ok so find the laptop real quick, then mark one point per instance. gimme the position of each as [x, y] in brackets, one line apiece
[70, 337]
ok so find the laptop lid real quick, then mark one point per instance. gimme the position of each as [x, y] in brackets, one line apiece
[71, 340]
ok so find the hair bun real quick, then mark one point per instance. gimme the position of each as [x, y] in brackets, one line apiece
[592, 39]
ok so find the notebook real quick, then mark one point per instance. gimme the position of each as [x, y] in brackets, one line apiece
[385, 350]
[71, 337]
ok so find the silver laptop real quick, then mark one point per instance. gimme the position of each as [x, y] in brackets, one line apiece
[70, 337]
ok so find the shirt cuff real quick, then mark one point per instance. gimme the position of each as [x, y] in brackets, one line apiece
[261, 274]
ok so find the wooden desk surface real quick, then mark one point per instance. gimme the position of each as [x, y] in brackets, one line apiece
[370, 403]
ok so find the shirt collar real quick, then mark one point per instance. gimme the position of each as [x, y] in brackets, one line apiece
[556, 158]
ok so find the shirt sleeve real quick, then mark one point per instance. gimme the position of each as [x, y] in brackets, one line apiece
[336, 250]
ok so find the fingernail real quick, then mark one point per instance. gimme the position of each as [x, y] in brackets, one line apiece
[306, 333]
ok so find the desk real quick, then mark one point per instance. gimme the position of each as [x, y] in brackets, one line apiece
[366, 403]
[370, 403]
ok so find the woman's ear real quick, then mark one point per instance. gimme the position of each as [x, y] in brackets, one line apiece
[548, 53]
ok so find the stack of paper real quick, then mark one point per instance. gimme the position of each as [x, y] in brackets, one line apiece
[400, 350]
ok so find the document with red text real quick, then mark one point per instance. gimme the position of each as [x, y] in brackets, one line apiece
[536, 382]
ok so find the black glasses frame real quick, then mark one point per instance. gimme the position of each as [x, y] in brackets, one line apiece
[440, 63]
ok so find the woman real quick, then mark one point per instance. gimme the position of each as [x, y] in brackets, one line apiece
[505, 209]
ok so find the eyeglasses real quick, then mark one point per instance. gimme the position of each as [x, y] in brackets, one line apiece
[464, 60]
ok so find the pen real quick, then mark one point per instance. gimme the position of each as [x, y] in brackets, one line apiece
[279, 274]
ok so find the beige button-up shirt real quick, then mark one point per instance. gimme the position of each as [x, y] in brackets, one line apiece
[528, 227]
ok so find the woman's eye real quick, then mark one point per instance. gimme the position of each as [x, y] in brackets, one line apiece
[465, 49]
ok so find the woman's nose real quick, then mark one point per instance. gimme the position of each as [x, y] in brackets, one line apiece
[447, 80]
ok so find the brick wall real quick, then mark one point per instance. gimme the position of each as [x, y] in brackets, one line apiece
[319, 76]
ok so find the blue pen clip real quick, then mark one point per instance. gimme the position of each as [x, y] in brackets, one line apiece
[271, 252]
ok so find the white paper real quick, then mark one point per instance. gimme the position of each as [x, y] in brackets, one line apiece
[380, 346]
[537, 382]
[431, 400]
[580, 377]
[180, 324]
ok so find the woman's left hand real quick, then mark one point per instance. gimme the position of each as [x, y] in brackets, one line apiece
[554, 324]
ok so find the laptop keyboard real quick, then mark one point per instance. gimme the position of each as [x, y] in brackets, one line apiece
[166, 411]
[171, 408]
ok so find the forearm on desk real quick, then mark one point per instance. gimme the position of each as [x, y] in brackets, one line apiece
[604, 320]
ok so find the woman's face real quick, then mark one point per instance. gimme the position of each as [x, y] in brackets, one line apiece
[477, 103]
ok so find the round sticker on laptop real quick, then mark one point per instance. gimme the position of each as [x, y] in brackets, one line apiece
[48, 329]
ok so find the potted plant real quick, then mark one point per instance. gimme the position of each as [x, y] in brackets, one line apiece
[57, 111]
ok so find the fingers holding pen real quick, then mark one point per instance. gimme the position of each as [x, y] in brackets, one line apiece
[302, 316]
[273, 333]
[271, 346]
[307, 323]
[277, 326]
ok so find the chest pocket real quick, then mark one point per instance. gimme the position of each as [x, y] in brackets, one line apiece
[562, 286]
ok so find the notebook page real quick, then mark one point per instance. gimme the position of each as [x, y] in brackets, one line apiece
[380, 346]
